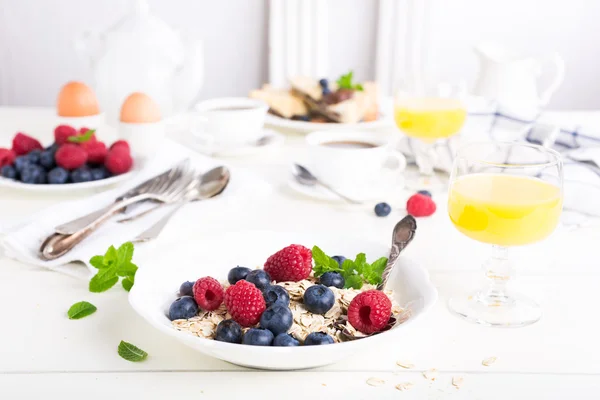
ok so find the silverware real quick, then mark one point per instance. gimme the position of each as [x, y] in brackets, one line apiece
[305, 177]
[154, 184]
[210, 184]
[403, 234]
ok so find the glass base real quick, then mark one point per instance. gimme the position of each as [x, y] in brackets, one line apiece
[510, 311]
[432, 183]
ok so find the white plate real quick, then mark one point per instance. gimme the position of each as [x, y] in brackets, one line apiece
[156, 288]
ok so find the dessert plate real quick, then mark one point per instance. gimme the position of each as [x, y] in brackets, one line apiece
[156, 288]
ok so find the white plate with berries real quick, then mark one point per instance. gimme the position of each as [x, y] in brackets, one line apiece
[257, 301]
[77, 160]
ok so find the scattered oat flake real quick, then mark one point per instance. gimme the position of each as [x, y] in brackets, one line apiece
[431, 374]
[323, 384]
[375, 382]
[489, 361]
[405, 364]
[457, 381]
[404, 386]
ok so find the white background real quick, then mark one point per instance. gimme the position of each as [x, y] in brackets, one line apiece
[37, 55]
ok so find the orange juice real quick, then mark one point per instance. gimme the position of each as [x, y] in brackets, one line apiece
[504, 210]
[430, 118]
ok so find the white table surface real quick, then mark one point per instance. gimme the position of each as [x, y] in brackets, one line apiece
[44, 353]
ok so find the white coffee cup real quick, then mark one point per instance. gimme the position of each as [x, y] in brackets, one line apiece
[229, 120]
[352, 161]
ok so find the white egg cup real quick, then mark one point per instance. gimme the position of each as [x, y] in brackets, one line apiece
[90, 121]
[144, 138]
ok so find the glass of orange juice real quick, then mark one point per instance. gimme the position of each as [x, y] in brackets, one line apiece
[505, 195]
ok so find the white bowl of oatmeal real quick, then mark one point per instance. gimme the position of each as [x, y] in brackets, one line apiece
[160, 275]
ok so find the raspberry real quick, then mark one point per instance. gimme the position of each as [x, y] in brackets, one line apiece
[370, 311]
[62, 133]
[420, 205]
[83, 130]
[118, 161]
[96, 151]
[23, 144]
[7, 157]
[120, 143]
[292, 263]
[70, 156]
[208, 293]
[245, 303]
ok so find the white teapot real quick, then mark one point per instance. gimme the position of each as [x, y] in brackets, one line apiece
[141, 53]
[512, 81]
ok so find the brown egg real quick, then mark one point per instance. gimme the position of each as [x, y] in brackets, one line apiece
[76, 99]
[139, 108]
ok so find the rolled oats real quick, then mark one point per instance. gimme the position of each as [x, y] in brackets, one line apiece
[375, 382]
[431, 374]
[489, 361]
[457, 381]
[404, 386]
[405, 364]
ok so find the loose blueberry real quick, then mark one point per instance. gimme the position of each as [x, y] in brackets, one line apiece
[277, 318]
[425, 193]
[259, 278]
[318, 338]
[58, 176]
[21, 162]
[8, 171]
[258, 337]
[229, 331]
[183, 308]
[285, 339]
[275, 294]
[47, 159]
[237, 274]
[34, 156]
[99, 173]
[187, 289]
[383, 209]
[318, 299]
[332, 279]
[326, 91]
[339, 259]
[82, 174]
[33, 174]
[324, 83]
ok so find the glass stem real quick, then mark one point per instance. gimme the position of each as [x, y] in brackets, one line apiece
[499, 271]
[426, 157]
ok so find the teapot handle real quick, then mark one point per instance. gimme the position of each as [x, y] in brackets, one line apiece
[559, 76]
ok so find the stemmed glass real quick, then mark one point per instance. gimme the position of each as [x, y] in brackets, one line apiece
[506, 195]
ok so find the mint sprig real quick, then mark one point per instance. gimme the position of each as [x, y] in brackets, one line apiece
[113, 264]
[81, 309]
[345, 82]
[82, 138]
[355, 272]
[131, 352]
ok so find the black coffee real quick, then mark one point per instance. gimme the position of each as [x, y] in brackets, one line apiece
[349, 144]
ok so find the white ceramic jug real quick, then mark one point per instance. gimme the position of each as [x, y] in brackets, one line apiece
[512, 81]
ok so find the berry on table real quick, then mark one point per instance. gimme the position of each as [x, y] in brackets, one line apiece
[47, 159]
[58, 176]
[99, 173]
[275, 294]
[70, 156]
[21, 162]
[118, 161]
[33, 174]
[8, 171]
[183, 308]
[383, 209]
[277, 318]
[259, 278]
[370, 311]
[420, 205]
[318, 299]
[340, 259]
[425, 193]
[237, 274]
[245, 303]
[284, 340]
[63, 132]
[186, 289]
[208, 293]
[292, 263]
[7, 157]
[318, 338]
[334, 279]
[229, 331]
[96, 151]
[82, 174]
[23, 144]
[323, 82]
[258, 337]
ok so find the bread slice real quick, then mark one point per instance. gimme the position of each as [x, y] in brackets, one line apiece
[281, 101]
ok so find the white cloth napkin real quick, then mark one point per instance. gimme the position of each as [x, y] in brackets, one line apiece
[22, 240]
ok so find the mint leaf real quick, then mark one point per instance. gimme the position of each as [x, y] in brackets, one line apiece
[104, 280]
[82, 138]
[319, 256]
[125, 253]
[345, 82]
[323, 263]
[127, 269]
[127, 283]
[111, 256]
[379, 265]
[354, 281]
[348, 268]
[130, 352]
[97, 262]
[361, 262]
[81, 309]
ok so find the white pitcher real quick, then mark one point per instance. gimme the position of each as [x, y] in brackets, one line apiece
[512, 81]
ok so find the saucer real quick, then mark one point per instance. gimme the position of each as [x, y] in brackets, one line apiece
[269, 139]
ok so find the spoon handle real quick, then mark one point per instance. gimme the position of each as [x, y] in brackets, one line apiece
[403, 234]
[332, 190]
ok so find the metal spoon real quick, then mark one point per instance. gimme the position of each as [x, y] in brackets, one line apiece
[403, 234]
[305, 177]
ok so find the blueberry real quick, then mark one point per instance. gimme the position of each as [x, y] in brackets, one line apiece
[183, 308]
[258, 337]
[383, 209]
[229, 331]
[284, 339]
[277, 318]
[339, 259]
[237, 274]
[8, 171]
[99, 173]
[260, 278]
[33, 174]
[318, 338]
[332, 279]
[21, 162]
[425, 193]
[324, 83]
[52, 148]
[326, 91]
[47, 159]
[186, 289]
[275, 294]
[305, 118]
[58, 176]
[34, 156]
[318, 299]
[81, 174]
